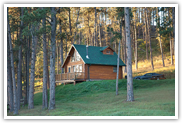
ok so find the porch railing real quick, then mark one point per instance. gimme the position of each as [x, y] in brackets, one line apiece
[69, 76]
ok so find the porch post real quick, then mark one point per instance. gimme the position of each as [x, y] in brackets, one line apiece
[67, 76]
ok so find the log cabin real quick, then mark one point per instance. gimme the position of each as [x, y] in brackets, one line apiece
[86, 63]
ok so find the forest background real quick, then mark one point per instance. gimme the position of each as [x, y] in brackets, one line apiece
[96, 26]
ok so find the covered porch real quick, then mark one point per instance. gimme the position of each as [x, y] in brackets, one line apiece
[69, 77]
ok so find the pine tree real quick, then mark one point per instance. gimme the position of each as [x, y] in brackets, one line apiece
[45, 64]
[52, 59]
[9, 78]
[33, 59]
[159, 35]
[130, 95]
[15, 106]
[149, 33]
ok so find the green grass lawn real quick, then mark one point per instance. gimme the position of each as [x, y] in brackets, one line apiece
[152, 98]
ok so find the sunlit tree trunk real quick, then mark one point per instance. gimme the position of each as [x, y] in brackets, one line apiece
[149, 33]
[161, 48]
[130, 95]
[136, 55]
[146, 34]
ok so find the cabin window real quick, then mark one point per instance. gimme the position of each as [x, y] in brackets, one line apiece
[69, 69]
[77, 68]
[108, 51]
[114, 69]
[75, 57]
[74, 69]
[80, 68]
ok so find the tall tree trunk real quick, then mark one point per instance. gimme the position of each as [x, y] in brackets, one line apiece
[19, 75]
[125, 50]
[161, 48]
[32, 75]
[61, 47]
[9, 79]
[121, 50]
[79, 42]
[170, 38]
[27, 69]
[146, 34]
[136, 57]
[130, 95]
[95, 35]
[153, 19]
[66, 44]
[117, 69]
[173, 15]
[171, 53]
[70, 38]
[88, 30]
[45, 64]
[76, 25]
[52, 59]
[100, 33]
[57, 57]
[149, 33]
[143, 28]
[47, 61]
[15, 112]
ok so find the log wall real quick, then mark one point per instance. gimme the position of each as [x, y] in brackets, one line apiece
[102, 72]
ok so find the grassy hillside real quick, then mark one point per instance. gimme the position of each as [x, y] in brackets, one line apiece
[152, 98]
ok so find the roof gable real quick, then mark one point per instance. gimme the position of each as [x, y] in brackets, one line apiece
[69, 54]
[106, 47]
[96, 56]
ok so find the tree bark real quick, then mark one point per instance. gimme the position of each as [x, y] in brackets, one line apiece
[125, 50]
[32, 74]
[117, 69]
[100, 33]
[136, 55]
[66, 44]
[45, 64]
[70, 38]
[27, 69]
[173, 15]
[171, 51]
[61, 48]
[161, 48]
[76, 25]
[130, 95]
[9, 79]
[52, 59]
[15, 112]
[95, 35]
[19, 75]
[146, 34]
[149, 33]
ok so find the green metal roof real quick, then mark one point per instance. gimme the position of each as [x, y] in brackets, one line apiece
[96, 56]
